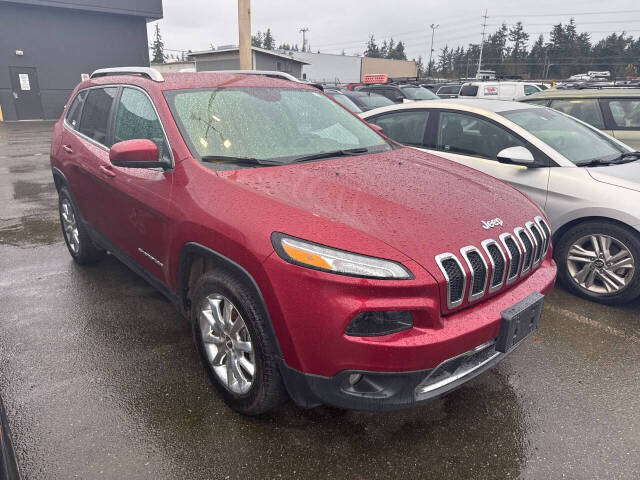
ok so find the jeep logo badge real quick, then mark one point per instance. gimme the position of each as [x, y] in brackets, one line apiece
[492, 223]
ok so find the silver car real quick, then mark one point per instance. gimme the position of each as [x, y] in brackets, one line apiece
[587, 182]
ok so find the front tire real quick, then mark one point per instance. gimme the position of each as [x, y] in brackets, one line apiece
[79, 243]
[600, 261]
[235, 347]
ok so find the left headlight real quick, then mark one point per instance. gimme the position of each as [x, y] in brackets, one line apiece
[318, 257]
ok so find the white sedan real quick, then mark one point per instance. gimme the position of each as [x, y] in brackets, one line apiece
[587, 182]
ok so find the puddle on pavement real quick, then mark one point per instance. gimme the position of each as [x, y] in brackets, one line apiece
[29, 231]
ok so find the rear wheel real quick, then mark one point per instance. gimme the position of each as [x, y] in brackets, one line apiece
[599, 260]
[78, 241]
[237, 351]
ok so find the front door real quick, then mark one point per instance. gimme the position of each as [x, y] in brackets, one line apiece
[26, 92]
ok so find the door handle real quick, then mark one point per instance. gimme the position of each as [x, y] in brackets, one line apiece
[67, 148]
[107, 171]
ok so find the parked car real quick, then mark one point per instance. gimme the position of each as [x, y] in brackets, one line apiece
[363, 101]
[448, 90]
[313, 256]
[8, 464]
[498, 90]
[400, 93]
[616, 111]
[587, 182]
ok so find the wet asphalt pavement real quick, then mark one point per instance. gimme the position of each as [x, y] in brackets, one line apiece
[100, 379]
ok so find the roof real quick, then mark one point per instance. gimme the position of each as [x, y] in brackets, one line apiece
[470, 105]
[150, 9]
[255, 49]
[587, 93]
[189, 80]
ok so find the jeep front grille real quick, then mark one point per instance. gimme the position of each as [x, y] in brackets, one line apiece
[512, 257]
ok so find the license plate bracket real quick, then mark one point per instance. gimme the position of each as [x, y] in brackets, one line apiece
[519, 320]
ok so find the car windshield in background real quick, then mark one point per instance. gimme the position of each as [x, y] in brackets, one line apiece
[418, 93]
[267, 124]
[375, 101]
[577, 142]
[344, 100]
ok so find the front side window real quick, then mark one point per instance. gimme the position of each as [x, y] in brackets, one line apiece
[587, 110]
[136, 118]
[404, 127]
[274, 124]
[345, 102]
[470, 135]
[574, 140]
[96, 112]
[625, 112]
[75, 110]
[530, 89]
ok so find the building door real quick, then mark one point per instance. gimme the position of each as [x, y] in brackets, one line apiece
[26, 92]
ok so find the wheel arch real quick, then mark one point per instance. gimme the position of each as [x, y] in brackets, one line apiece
[59, 179]
[560, 231]
[196, 259]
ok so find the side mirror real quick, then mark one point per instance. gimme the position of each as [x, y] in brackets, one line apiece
[516, 156]
[398, 99]
[138, 153]
[377, 128]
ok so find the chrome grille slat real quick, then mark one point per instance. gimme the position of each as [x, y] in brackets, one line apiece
[535, 236]
[512, 247]
[527, 249]
[479, 271]
[546, 232]
[498, 272]
[444, 260]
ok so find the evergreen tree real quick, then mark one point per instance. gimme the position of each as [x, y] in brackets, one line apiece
[158, 47]
[268, 42]
[372, 49]
[257, 40]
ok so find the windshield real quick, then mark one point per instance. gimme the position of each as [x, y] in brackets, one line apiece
[267, 124]
[374, 101]
[344, 100]
[418, 93]
[577, 142]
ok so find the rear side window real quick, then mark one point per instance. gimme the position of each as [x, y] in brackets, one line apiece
[587, 110]
[625, 113]
[136, 119]
[96, 112]
[75, 110]
[469, 91]
[404, 127]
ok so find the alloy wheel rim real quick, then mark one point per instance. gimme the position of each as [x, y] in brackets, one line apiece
[227, 343]
[600, 264]
[70, 226]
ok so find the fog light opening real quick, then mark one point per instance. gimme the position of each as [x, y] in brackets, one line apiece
[375, 324]
[354, 378]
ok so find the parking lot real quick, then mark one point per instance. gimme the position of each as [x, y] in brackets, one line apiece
[100, 379]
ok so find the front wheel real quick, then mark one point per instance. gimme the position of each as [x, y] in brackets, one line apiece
[237, 351]
[598, 260]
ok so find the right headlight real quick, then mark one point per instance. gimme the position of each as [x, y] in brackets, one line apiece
[318, 257]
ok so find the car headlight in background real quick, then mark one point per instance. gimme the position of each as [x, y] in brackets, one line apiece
[318, 257]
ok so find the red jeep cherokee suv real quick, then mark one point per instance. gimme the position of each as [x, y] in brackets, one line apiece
[313, 256]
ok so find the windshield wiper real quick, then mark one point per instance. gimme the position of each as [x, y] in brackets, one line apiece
[336, 153]
[627, 157]
[238, 160]
[594, 162]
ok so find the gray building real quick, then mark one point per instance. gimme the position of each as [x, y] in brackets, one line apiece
[46, 46]
[228, 58]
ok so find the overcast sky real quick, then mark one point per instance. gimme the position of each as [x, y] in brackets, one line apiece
[335, 25]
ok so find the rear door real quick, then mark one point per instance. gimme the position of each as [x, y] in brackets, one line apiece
[86, 156]
[475, 141]
[623, 117]
[26, 93]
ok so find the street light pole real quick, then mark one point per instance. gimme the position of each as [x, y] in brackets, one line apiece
[244, 34]
[433, 31]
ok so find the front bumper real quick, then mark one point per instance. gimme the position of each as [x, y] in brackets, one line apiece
[382, 391]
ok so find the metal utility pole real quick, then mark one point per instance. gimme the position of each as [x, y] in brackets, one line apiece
[484, 28]
[304, 31]
[433, 31]
[244, 34]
